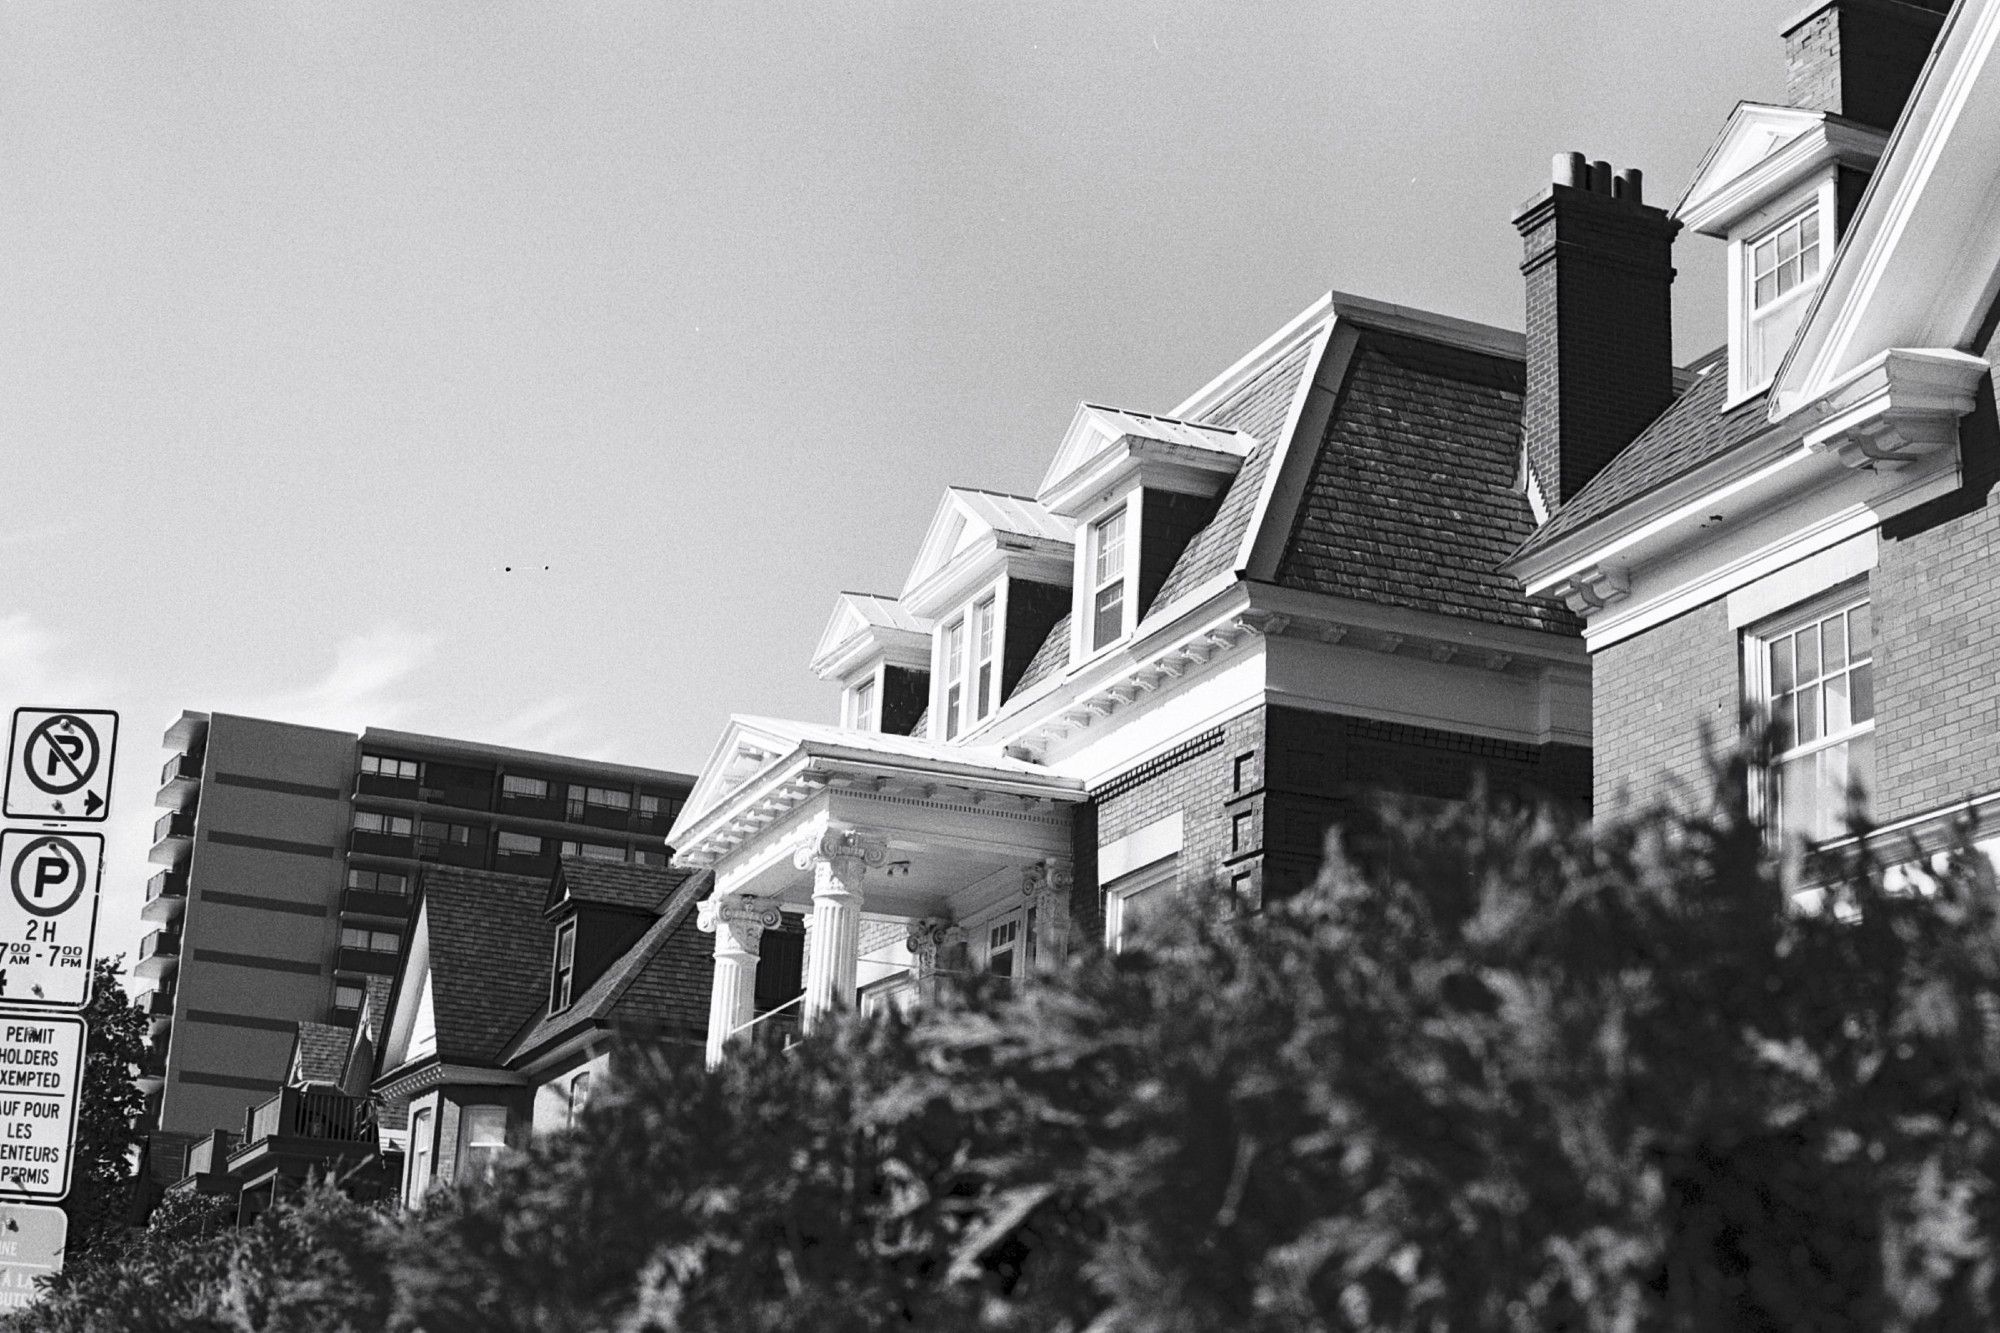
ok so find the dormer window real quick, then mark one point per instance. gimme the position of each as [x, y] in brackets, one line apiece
[563, 975]
[1107, 582]
[861, 705]
[982, 650]
[954, 676]
[1781, 268]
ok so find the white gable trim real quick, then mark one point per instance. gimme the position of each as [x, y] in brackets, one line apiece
[413, 992]
[1290, 470]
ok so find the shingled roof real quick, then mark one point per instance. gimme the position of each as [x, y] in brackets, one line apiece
[614, 884]
[319, 1053]
[660, 984]
[1694, 429]
[1412, 500]
[489, 957]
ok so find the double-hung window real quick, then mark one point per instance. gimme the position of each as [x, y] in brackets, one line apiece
[1780, 269]
[863, 718]
[954, 676]
[420, 1155]
[1814, 671]
[563, 974]
[485, 1140]
[1107, 579]
[982, 656]
[1136, 899]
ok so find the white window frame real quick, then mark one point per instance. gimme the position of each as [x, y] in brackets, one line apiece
[951, 682]
[983, 658]
[864, 702]
[423, 1154]
[1746, 317]
[1161, 874]
[1758, 690]
[562, 971]
[1095, 584]
[480, 1150]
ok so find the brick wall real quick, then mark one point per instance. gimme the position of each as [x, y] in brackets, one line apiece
[1860, 58]
[1651, 697]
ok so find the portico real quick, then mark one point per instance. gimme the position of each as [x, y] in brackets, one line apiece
[905, 858]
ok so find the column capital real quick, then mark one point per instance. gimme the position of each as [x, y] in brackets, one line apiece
[841, 844]
[1047, 883]
[739, 920]
[929, 938]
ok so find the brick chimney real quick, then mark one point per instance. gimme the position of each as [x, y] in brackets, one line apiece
[1860, 58]
[1600, 347]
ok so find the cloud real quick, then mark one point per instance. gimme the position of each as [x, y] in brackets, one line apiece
[556, 724]
[36, 668]
[372, 683]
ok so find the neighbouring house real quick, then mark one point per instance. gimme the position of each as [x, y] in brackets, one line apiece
[1209, 636]
[1805, 531]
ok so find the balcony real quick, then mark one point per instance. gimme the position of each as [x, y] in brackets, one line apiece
[469, 854]
[159, 953]
[173, 834]
[301, 1130]
[366, 961]
[179, 781]
[366, 902]
[402, 846]
[158, 1003]
[152, 1067]
[166, 895]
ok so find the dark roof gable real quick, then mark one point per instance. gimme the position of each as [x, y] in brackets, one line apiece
[489, 957]
[614, 884]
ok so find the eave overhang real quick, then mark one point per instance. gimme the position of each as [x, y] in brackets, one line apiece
[980, 563]
[432, 1072]
[1107, 450]
[873, 643]
[1715, 207]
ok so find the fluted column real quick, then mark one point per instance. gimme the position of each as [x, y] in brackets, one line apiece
[935, 945]
[738, 924]
[1046, 887]
[838, 859]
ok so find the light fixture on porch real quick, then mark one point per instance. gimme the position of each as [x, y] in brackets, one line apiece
[896, 869]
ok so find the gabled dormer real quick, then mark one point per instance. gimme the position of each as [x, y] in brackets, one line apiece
[881, 655]
[599, 911]
[1779, 185]
[992, 578]
[1138, 487]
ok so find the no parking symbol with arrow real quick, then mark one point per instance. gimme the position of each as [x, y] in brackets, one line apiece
[59, 764]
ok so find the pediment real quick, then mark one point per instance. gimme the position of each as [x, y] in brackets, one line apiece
[867, 625]
[748, 747]
[970, 527]
[1762, 151]
[1102, 441]
[412, 1019]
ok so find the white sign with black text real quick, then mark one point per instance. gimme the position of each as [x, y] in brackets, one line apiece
[48, 916]
[41, 1080]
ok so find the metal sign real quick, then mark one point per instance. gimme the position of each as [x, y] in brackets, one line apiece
[32, 1237]
[48, 916]
[59, 764]
[41, 1081]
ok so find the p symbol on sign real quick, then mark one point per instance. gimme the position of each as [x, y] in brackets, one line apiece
[51, 870]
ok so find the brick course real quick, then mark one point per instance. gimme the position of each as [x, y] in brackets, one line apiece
[1652, 697]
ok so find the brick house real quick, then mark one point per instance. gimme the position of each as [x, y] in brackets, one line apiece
[1207, 637]
[1805, 529]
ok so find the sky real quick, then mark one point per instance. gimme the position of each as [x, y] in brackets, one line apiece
[538, 373]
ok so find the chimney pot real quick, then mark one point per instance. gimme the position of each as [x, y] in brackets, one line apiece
[1569, 169]
[1630, 185]
[1600, 177]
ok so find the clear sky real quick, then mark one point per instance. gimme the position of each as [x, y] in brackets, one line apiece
[315, 318]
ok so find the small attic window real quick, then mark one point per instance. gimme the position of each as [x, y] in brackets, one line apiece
[1781, 267]
[1107, 579]
[861, 705]
[563, 975]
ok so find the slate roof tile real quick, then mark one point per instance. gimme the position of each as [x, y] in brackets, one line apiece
[322, 1052]
[616, 884]
[1693, 430]
[489, 955]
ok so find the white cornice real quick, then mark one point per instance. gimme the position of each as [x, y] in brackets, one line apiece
[1108, 450]
[1714, 208]
[981, 562]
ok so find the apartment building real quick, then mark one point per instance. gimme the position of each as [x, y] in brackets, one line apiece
[289, 856]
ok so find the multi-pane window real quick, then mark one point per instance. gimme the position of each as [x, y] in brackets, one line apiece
[1818, 682]
[382, 766]
[378, 881]
[420, 1155]
[564, 972]
[370, 941]
[863, 715]
[1781, 267]
[982, 656]
[1132, 903]
[594, 851]
[652, 807]
[394, 826]
[602, 798]
[349, 995]
[522, 788]
[456, 835]
[517, 844]
[485, 1140]
[1107, 580]
[954, 675]
[1002, 941]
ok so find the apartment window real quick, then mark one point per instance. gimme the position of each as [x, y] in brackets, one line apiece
[1136, 901]
[982, 656]
[1815, 674]
[1781, 268]
[1107, 580]
[648, 856]
[563, 974]
[652, 807]
[378, 881]
[594, 851]
[349, 995]
[517, 844]
[485, 1140]
[394, 826]
[521, 788]
[954, 675]
[1243, 777]
[381, 766]
[420, 1155]
[1244, 891]
[579, 1097]
[861, 716]
[370, 941]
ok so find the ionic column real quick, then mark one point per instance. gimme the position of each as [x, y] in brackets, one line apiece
[738, 925]
[838, 858]
[1046, 887]
[932, 942]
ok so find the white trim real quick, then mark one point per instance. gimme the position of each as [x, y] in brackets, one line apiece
[1241, 371]
[1294, 453]
[1141, 848]
[1806, 579]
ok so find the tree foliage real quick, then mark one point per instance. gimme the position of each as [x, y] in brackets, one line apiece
[107, 1114]
[1507, 1075]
